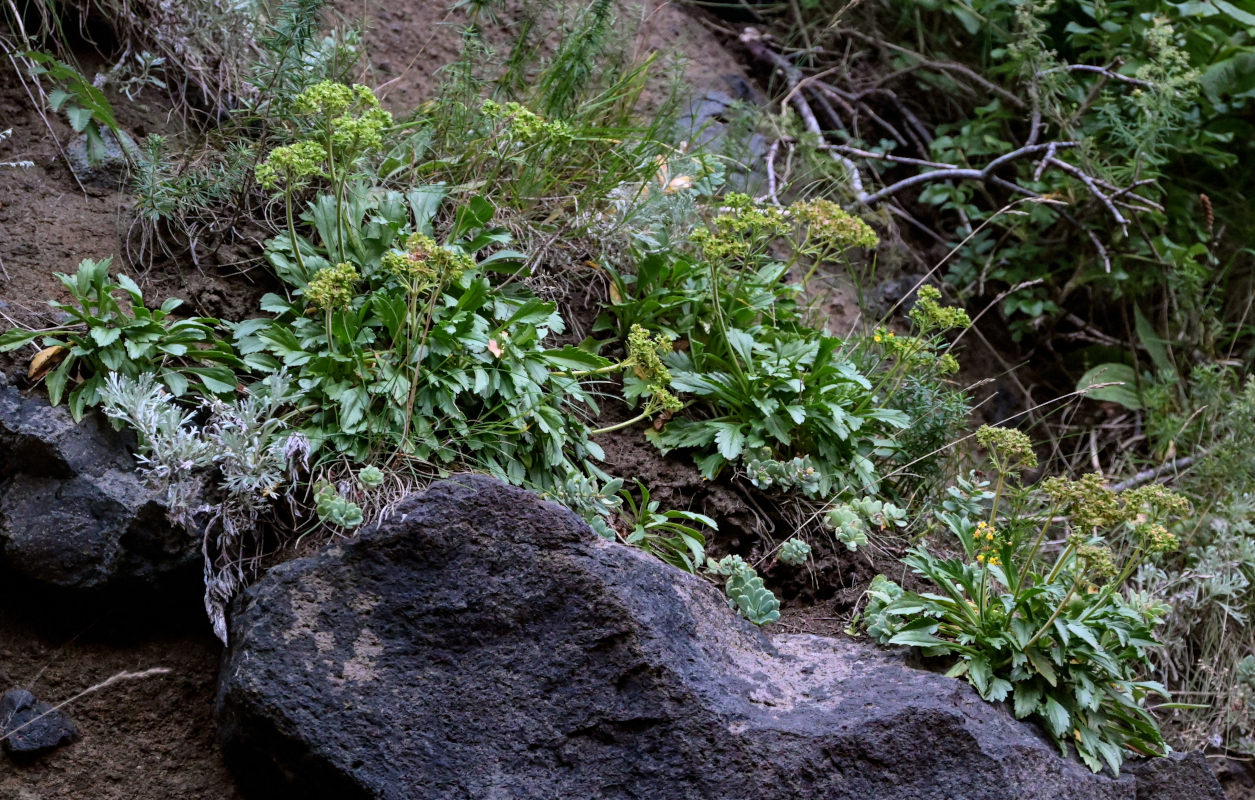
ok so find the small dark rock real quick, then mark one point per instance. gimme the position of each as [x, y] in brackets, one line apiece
[897, 293]
[105, 169]
[709, 123]
[31, 728]
[74, 513]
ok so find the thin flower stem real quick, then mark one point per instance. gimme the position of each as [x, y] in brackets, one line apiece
[1063, 557]
[339, 190]
[1046, 626]
[723, 328]
[584, 373]
[296, 249]
[621, 425]
[1032, 554]
[993, 510]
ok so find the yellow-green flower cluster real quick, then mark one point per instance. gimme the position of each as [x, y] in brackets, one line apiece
[292, 164]
[450, 264]
[914, 352]
[1088, 502]
[351, 134]
[1157, 502]
[644, 358]
[947, 364]
[719, 247]
[1091, 505]
[332, 287]
[740, 214]
[829, 227]
[929, 315]
[1169, 63]
[525, 125]
[1097, 561]
[415, 265]
[742, 229]
[361, 134]
[332, 98]
[1010, 450]
[424, 262]
[988, 542]
[1155, 537]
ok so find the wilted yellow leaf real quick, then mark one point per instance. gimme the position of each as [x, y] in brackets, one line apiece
[46, 361]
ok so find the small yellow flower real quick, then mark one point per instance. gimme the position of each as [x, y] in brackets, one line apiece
[876, 337]
[980, 557]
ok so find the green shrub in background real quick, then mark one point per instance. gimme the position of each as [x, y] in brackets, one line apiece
[1155, 93]
[1118, 122]
[1205, 425]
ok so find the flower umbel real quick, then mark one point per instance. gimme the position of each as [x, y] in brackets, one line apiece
[1010, 450]
[829, 227]
[332, 287]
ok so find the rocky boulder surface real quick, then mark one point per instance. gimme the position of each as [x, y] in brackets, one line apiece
[486, 644]
[74, 514]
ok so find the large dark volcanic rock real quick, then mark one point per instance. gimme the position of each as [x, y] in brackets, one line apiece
[74, 514]
[484, 644]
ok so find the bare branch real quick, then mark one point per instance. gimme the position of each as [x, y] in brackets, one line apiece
[1095, 190]
[799, 86]
[1106, 72]
[855, 151]
[1145, 476]
[939, 66]
[953, 173]
[771, 173]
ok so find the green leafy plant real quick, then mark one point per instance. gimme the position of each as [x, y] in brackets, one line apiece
[110, 330]
[409, 348]
[851, 522]
[794, 552]
[404, 344]
[673, 536]
[769, 387]
[335, 509]
[84, 105]
[745, 590]
[1053, 634]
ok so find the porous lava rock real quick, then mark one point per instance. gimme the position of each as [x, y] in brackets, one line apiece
[485, 644]
[32, 728]
[74, 514]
